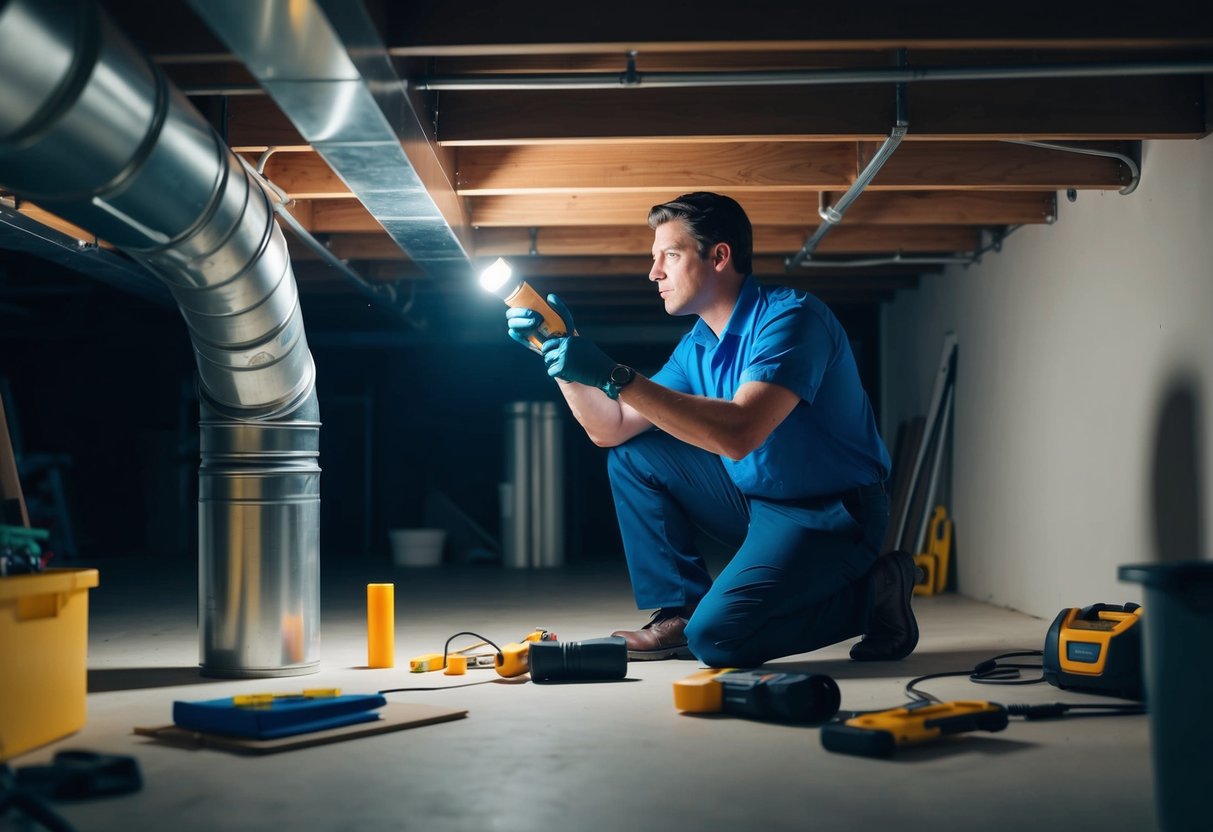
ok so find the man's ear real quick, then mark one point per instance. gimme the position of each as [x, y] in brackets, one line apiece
[722, 255]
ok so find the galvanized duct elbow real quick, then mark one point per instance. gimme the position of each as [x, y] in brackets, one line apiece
[92, 131]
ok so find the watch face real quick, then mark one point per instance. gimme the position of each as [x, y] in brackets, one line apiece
[621, 375]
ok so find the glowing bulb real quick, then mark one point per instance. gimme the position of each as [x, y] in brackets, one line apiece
[517, 292]
[496, 277]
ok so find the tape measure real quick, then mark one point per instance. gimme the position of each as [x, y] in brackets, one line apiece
[1096, 649]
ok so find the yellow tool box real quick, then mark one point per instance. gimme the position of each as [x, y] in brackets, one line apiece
[44, 645]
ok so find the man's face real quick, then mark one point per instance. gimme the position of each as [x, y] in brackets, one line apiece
[684, 279]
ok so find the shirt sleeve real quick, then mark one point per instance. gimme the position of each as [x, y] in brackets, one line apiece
[793, 349]
[673, 375]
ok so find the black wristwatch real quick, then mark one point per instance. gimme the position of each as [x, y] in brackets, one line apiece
[619, 378]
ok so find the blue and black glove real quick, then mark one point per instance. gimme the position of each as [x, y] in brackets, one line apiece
[569, 358]
[577, 358]
[523, 323]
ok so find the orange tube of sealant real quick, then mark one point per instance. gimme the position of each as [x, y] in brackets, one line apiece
[553, 324]
[380, 625]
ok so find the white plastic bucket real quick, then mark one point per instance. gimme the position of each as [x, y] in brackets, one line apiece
[417, 547]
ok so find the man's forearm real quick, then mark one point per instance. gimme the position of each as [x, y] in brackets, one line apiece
[730, 428]
[602, 417]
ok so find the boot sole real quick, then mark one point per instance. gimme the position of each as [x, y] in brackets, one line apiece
[680, 652]
[906, 570]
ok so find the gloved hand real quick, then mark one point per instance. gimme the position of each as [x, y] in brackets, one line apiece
[576, 358]
[523, 322]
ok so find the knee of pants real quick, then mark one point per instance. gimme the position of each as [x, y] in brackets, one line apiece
[622, 459]
[709, 643]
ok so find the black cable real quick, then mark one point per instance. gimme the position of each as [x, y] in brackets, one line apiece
[24, 801]
[991, 672]
[443, 687]
[447, 647]
[446, 650]
[1055, 709]
[988, 672]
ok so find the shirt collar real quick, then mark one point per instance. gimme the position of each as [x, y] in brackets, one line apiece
[747, 298]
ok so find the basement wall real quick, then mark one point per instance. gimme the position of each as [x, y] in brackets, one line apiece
[1084, 399]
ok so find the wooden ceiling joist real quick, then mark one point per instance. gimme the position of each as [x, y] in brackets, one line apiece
[743, 166]
[1080, 109]
[484, 27]
[771, 208]
[738, 167]
[605, 241]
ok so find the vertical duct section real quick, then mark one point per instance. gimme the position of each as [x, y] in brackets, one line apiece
[92, 131]
[532, 497]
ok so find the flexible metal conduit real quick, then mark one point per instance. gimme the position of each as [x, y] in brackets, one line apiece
[966, 258]
[831, 215]
[1124, 158]
[92, 131]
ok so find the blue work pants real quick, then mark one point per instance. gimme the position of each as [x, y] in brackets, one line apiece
[797, 581]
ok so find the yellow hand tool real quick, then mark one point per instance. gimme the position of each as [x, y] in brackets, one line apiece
[882, 733]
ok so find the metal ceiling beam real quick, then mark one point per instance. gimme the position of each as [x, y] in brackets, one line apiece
[323, 63]
[630, 78]
[21, 233]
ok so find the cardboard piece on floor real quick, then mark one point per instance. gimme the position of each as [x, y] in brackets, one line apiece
[396, 717]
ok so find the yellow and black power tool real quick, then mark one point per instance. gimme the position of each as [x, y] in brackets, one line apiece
[882, 733]
[759, 694]
[1096, 649]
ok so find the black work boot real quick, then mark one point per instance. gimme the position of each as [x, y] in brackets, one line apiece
[662, 638]
[892, 631]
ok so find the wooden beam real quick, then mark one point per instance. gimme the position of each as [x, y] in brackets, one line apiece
[305, 176]
[765, 59]
[775, 208]
[744, 166]
[1000, 165]
[735, 168]
[674, 166]
[605, 241]
[513, 242]
[254, 123]
[484, 27]
[340, 215]
[637, 268]
[1082, 109]
[39, 214]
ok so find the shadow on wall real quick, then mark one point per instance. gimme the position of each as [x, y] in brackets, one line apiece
[1177, 487]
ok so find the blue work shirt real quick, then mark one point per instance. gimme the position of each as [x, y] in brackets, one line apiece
[829, 442]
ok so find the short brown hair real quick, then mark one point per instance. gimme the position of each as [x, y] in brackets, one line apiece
[710, 219]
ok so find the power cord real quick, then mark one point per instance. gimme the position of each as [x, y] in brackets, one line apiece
[988, 672]
[996, 671]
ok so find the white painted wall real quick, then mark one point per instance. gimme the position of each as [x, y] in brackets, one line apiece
[1069, 340]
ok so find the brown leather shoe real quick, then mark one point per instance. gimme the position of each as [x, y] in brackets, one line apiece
[661, 638]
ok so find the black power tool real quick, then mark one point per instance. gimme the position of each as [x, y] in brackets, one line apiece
[1096, 649]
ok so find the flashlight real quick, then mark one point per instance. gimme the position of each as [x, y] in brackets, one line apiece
[498, 279]
[548, 661]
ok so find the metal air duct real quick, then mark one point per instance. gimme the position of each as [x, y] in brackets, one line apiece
[92, 131]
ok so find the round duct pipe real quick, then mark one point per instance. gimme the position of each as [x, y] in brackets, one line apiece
[92, 131]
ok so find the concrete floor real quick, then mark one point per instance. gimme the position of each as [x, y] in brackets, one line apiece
[590, 757]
